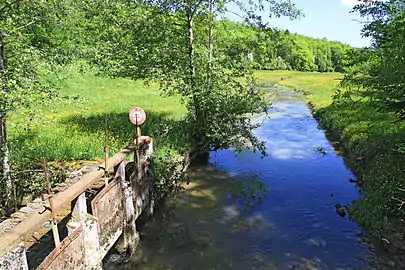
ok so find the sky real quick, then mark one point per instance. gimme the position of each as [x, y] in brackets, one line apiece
[329, 19]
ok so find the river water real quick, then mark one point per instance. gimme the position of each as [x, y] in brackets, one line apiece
[248, 212]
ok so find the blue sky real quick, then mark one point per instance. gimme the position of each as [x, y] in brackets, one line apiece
[325, 18]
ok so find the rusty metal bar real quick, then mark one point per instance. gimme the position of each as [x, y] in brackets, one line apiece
[106, 165]
[106, 150]
[49, 197]
[61, 256]
[24, 230]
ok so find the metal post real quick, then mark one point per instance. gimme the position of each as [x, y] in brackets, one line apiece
[137, 117]
[137, 135]
[106, 150]
[51, 204]
[106, 166]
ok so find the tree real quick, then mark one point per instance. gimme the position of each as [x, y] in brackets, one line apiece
[181, 54]
[22, 46]
[340, 57]
[301, 57]
[213, 93]
[384, 80]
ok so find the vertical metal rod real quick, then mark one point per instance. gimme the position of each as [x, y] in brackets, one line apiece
[136, 157]
[52, 206]
[106, 149]
[106, 165]
[105, 129]
[138, 152]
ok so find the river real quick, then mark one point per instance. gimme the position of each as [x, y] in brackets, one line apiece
[277, 212]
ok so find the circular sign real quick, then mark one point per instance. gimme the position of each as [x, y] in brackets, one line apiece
[137, 116]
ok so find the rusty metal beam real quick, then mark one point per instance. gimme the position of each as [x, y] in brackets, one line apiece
[35, 221]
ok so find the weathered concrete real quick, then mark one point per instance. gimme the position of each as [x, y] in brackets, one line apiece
[79, 212]
[15, 259]
[93, 257]
[130, 238]
[81, 218]
[90, 236]
[142, 180]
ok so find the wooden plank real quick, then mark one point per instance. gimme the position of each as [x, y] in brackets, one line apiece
[35, 221]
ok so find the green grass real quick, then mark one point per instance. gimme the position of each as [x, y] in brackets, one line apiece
[74, 130]
[374, 143]
[71, 133]
[318, 87]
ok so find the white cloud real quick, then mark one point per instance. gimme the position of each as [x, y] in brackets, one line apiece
[350, 3]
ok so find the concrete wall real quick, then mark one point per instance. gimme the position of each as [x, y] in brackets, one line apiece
[111, 219]
[15, 259]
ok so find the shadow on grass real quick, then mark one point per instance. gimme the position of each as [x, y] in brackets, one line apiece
[157, 125]
[81, 137]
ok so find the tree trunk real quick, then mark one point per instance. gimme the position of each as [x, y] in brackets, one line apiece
[210, 44]
[191, 51]
[199, 134]
[5, 155]
[211, 33]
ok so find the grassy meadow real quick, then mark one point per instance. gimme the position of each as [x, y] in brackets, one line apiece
[374, 143]
[74, 129]
[318, 87]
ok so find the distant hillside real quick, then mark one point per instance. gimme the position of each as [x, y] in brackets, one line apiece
[274, 49]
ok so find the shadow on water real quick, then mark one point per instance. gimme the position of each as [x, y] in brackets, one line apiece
[194, 229]
[211, 224]
[245, 212]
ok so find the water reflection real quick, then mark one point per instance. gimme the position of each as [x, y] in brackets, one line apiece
[244, 212]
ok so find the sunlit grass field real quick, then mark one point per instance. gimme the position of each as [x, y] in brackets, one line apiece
[74, 129]
[318, 87]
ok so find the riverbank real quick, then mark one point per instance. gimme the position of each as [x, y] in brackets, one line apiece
[374, 144]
